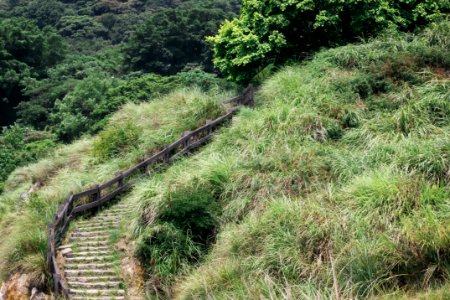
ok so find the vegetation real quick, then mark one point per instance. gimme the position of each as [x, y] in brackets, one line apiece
[25, 53]
[19, 146]
[133, 132]
[274, 31]
[172, 40]
[64, 67]
[55, 55]
[336, 185]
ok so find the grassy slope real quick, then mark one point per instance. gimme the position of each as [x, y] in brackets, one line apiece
[23, 223]
[335, 185]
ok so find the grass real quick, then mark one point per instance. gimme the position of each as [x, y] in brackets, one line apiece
[334, 186]
[74, 167]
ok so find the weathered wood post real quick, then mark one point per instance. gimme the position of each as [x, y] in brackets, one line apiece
[121, 179]
[56, 280]
[97, 196]
[166, 153]
[208, 122]
[49, 246]
[186, 140]
[249, 94]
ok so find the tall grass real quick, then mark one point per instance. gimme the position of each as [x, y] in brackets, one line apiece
[334, 186]
[145, 128]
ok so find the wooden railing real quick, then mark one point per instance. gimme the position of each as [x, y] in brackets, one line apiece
[94, 198]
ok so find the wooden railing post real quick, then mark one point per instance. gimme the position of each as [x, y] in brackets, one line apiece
[98, 194]
[56, 282]
[49, 244]
[208, 122]
[249, 94]
[121, 179]
[166, 153]
[186, 141]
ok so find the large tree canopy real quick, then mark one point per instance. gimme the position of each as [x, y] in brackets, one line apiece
[276, 30]
[25, 52]
[172, 39]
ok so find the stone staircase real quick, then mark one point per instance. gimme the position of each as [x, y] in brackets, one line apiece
[91, 269]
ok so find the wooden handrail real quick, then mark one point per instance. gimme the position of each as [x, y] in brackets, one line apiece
[67, 211]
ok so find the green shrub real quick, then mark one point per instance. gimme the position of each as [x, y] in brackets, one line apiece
[164, 250]
[192, 210]
[84, 106]
[21, 145]
[274, 31]
[116, 141]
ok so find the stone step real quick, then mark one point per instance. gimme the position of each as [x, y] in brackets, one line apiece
[81, 249]
[118, 213]
[102, 225]
[92, 279]
[119, 206]
[98, 243]
[107, 223]
[74, 297]
[95, 292]
[108, 214]
[95, 285]
[107, 218]
[89, 233]
[62, 247]
[93, 252]
[88, 266]
[88, 259]
[89, 273]
[93, 221]
[66, 252]
[89, 238]
[97, 227]
[92, 228]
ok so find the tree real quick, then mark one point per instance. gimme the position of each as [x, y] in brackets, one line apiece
[25, 52]
[45, 12]
[271, 31]
[172, 39]
[81, 27]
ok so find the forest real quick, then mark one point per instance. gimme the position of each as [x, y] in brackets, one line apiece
[334, 186]
[66, 65]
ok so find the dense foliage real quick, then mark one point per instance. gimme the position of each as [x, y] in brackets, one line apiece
[20, 146]
[335, 185]
[72, 96]
[272, 31]
[25, 53]
[63, 68]
[174, 39]
[136, 130]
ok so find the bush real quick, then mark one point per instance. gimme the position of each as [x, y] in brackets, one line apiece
[115, 141]
[268, 31]
[84, 107]
[192, 210]
[164, 250]
[20, 145]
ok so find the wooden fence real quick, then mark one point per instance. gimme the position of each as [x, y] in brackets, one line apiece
[101, 194]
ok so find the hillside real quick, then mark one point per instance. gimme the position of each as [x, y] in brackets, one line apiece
[66, 66]
[334, 186]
